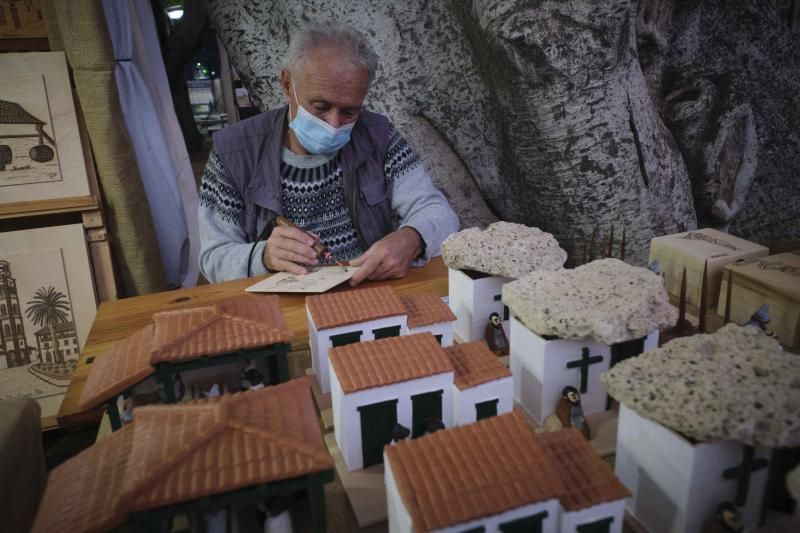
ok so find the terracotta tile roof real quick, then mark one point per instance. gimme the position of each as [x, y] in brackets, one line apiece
[363, 365]
[120, 367]
[475, 364]
[77, 496]
[216, 329]
[183, 452]
[351, 307]
[589, 479]
[228, 326]
[426, 309]
[473, 471]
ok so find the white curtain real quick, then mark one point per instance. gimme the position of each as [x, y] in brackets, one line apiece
[156, 137]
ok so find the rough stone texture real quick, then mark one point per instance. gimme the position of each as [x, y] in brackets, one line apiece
[503, 249]
[606, 299]
[568, 114]
[732, 384]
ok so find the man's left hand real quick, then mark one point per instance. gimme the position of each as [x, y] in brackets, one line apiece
[389, 258]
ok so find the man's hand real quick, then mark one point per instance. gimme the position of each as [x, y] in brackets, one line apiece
[288, 248]
[389, 258]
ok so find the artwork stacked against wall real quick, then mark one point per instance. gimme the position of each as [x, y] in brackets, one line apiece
[47, 306]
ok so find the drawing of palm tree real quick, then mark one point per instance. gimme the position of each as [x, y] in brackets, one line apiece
[49, 307]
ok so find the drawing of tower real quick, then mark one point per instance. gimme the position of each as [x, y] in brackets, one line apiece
[13, 347]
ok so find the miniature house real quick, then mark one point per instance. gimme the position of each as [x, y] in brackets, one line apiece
[376, 385]
[677, 483]
[497, 475]
[428, 313]
[692, 250]
[542, 367]
[341, 318]
[474, 296]
[483, 387]
[199, 456]
[187, 343]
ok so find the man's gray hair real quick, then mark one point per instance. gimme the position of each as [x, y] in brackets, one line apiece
[346, 39]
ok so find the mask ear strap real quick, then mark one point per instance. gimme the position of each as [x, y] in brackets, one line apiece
[296, 101]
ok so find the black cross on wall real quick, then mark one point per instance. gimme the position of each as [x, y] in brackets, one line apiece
[742, 473]
[583, 363]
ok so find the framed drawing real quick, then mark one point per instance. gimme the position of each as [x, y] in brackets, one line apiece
[47, 306]
[22, 19]
[41, 157]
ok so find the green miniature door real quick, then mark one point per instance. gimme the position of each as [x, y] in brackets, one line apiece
[486, 409]
[377, 422]
[424, 407]
[528, 524]
[600, 526]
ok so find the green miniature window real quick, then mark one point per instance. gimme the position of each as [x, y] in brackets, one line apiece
[424, 407]
[383, 333]
[438, 338]
[528, 524]
[496, 297]
[479, 529]
[345, 338]
[506, 313]
[600, 526]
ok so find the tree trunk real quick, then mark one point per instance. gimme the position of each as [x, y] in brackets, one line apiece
[568, 115]
[57, 357]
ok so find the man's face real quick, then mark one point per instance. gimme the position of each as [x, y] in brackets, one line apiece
[495, 319]
[328, 87]
[574, 398]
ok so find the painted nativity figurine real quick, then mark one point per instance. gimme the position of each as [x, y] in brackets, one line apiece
[569, 413]
[495, 336]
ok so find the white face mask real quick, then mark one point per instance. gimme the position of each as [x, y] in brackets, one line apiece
[316, 135]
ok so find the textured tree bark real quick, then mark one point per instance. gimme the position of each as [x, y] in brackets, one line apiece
[648, 114]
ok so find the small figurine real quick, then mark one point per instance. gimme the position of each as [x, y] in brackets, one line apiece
[278, 519]
[433, 425]
[570, 413]
[760, 320]
[727, 519]
[495, 336]
[400, 432]
[252, 379]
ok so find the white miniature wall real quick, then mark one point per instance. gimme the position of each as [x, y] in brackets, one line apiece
[464, 401]
[347, 420]
[616, 509]
[400, 519]
[677, 485]
[472, 301]
[540, 372]
[320, 341]
[445, 329]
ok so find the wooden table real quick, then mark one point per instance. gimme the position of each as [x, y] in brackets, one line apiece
[117, 319]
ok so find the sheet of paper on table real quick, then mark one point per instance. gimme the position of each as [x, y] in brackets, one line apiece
[320, 279]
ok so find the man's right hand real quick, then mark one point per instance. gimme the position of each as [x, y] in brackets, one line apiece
[289, 248]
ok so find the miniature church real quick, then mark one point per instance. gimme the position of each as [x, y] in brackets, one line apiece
[164, 358]
[410, 383]
[480, 262]
[498, 475]
[569, 326]
[730, 436]
[341, 318]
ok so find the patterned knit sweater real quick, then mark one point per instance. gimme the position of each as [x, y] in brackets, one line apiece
[312, 189]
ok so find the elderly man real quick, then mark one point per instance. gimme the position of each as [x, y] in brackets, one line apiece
[343, 175]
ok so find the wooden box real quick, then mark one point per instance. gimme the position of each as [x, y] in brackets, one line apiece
[691, 250]
[773, 280]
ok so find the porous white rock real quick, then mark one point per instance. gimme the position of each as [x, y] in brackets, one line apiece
[735, 384]
[606, 299]
[503, 249]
